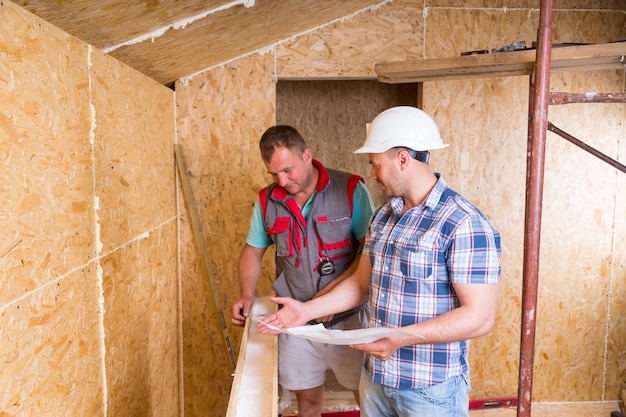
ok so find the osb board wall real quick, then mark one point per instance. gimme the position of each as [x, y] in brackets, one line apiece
[89, 294]
[351, 48]
[221, 117]
[485, 123]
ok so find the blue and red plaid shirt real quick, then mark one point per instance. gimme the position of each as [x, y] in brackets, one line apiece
[415, 259]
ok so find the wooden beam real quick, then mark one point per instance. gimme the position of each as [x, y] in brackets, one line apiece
[254, 392]
[196, 226]
[604, 56]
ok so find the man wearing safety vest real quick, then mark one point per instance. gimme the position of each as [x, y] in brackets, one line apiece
[317, 219]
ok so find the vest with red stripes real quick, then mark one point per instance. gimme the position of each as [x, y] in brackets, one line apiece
[303, 244]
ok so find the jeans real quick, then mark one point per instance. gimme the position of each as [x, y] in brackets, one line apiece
[448, 399]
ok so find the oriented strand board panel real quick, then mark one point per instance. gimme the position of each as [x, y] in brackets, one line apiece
[50, 344]
[133, 150]
[485, 121]
[528, 4]
[50, 350]
[579, 286]
[46, 208]
[230, 33]
[350, 48]
[616, 349]
[443, 60]
[53, 111]
[135, 185]
[221, 115]
[107, 23]
[140, 320]
[596, 257]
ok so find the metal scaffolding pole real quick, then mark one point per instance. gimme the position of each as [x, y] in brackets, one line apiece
[537, 131]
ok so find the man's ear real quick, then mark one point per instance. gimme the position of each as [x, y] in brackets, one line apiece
[403, 158]
[306, 155]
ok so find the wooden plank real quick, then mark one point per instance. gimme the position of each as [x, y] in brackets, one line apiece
[567, 58]
[254, 392]
[199, 234]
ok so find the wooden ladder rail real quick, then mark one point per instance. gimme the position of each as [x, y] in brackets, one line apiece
[199, 235]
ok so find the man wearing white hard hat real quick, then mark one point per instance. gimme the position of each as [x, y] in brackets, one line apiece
[430, 268]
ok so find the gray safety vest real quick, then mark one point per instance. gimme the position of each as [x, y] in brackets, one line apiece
[303, 246]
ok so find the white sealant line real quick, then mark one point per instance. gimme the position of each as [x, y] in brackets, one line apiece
[49, 284]
[96, 209]
[95, 262]
[139, 237]
[181, 24]
[272, 48]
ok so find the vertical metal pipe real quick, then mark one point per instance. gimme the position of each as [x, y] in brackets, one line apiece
[537, 131]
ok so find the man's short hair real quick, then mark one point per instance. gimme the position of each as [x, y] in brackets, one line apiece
[280, 136]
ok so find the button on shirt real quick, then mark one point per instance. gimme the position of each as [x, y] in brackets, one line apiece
[415, 259]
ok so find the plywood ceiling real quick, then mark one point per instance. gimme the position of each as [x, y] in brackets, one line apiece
[170, 39]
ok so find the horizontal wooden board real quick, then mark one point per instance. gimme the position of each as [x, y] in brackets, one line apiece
[565, 58]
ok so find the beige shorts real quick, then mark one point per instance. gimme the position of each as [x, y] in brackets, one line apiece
[302, 364]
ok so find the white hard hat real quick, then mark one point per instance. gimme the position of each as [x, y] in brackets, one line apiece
[403, 126]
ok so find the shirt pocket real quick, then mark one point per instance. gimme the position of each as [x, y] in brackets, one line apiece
[417, 260]
[281, 234]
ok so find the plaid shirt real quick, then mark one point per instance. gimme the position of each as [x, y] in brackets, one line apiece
[415, 259]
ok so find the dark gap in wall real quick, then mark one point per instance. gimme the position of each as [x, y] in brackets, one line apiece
[331, 116]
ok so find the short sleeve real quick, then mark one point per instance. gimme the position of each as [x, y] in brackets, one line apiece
[474, 255]
[362, 210]
[257, 233]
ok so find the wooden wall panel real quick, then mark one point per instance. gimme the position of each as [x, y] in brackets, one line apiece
[350, 48]
[68, 138]
[486, 124]
[50, 350]
[450, 31]
[578, 222]
[616, 343]
[46, 209]
[527, 4]
[221, 116]
[133, 148]
[49, 344]
[140, 303]
[135, 184]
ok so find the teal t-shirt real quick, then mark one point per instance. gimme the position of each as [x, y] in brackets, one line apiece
[362, 210]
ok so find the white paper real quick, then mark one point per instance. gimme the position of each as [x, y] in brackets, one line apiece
[318, 333]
